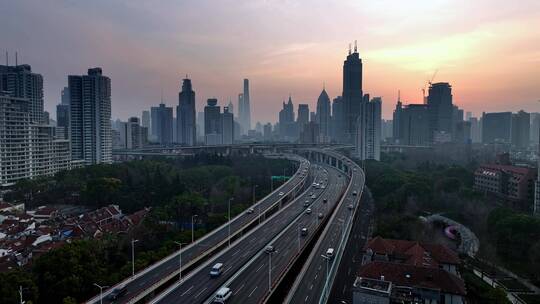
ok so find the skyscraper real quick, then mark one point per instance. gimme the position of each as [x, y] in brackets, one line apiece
[396, 120]
[521, 129]
[337, 119]
[323, 116]
[536, 208]
[303, 117]
[368, 144]
[352, 94]
[185, 114]
[19, 81]
[286, 122]
[496, 127]
[212, 123]
[90, 114]
[441, 109]
[227, 119]
[246, 119]
[62, 116]
[145, 119]
[162, 124]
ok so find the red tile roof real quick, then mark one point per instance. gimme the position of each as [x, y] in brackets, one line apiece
[414, 276]
[414, 253]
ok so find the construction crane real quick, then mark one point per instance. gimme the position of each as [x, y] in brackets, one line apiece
[425, 85]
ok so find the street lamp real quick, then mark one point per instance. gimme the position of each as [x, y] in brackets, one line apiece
[180, 260]
[230, 199]
[193, 228]
[98, 286]
[133, 241]
[327, 258]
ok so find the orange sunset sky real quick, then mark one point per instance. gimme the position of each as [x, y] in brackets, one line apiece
[488, 50]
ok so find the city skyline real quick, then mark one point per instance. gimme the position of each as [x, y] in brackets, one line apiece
[463, 46]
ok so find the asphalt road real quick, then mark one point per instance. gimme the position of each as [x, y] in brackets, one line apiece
[198, 285]
[352, 256]
[310, 284]
[145, 280]
[252, 284]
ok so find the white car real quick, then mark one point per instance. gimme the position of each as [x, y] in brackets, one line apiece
[222, 295]
[308, 211]
[281, 194]
[250, 210]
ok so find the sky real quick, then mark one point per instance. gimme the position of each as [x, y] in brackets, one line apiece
[488, 50]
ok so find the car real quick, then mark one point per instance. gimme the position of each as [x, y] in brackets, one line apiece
[351, 206]
[320, 215]
[216, 270]
[354, 193]
[313, 196]
[281, 194]
[314, 184]
[323, 187]
[308, 211]
[304, 231]
[250, 210]
[222, 295]
[269, 249]
[306, 203]
[325, 200]
[330, 253]
[117, 293]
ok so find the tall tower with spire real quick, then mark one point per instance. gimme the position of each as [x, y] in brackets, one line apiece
[352, 94]
[246, 118]
[185, 115]
[323, 116]
[536, 208]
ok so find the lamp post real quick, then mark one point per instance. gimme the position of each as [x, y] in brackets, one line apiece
[193, 227]
[133, 241]
[230, 199]
[180, 260]
[97, 285]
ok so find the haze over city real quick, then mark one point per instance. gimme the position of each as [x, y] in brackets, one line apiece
[489, 51]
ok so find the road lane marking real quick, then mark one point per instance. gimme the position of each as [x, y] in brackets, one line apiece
[236, 252]
[238, 290]
[252, 291]
[197, 295]
[259, 268]
[306, 299]
[311, 287]
[187, 291]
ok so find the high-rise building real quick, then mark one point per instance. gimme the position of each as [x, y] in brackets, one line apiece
[396, 118]
[368, 143]
[386, 130]
[19, 81]
[244, 109]
[162, 124]
[227, 119]
[212, 123]
[131, 134]
[441, 110]
[90, 117]
[324, 116]
[185, 113]
[310, 133]
[535, 128]
[414, 122]
[337, 119]
[145, 119]
[287, 125]
[267, 132]
[476, 131]
[28, 150]
[303, 117]
[200, 126]
[230, 106]
[496, 127]
[352, 95]
[521, 129]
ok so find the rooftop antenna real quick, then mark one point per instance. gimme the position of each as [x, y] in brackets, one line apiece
[16, 59]
[161, 94]
[324, 85]
[398, 95]
[7, 58]
[355, 48]
[349, 48]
